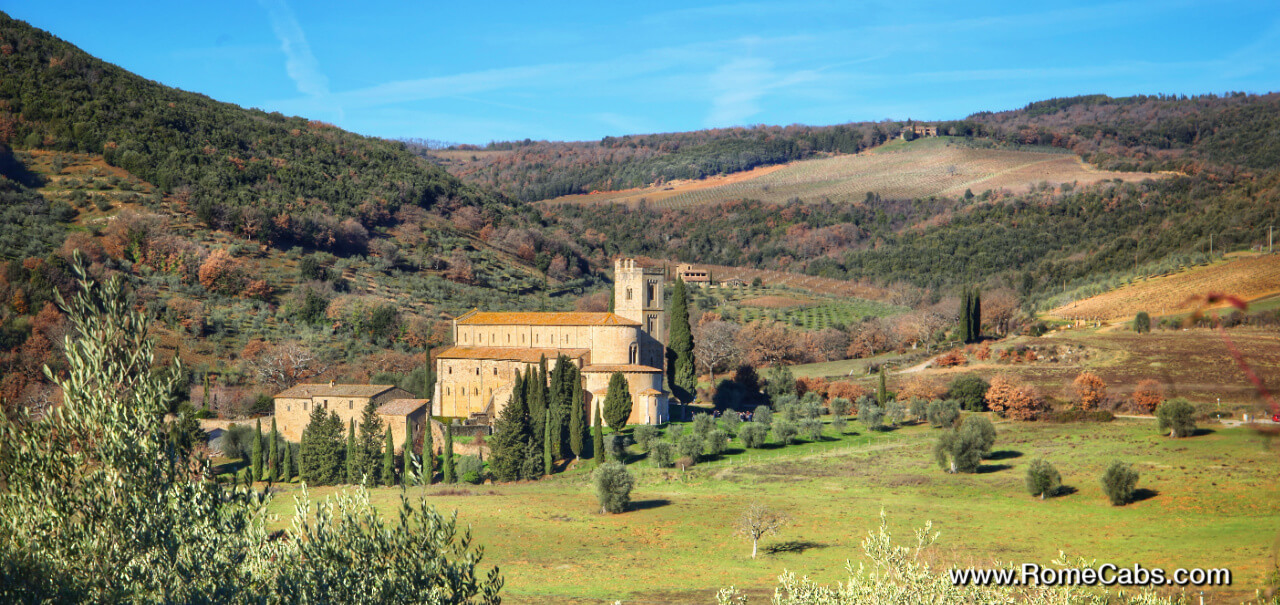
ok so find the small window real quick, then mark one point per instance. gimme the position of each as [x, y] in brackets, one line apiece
[495, 371]
[475, 390]
[351, 405]
[450, 369]
[304, 406]
[628, 293]
[508, 338]
[288, 408]
[477, 371]
[447, 391]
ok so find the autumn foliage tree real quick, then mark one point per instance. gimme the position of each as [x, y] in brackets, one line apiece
[223, 273]
[1014, 399]
[1089, 391]
[954, 357]
[1148, 396]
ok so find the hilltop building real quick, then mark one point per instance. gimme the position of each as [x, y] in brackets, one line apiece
[918, 130]
[474, 377]
[693, 276]
[396, 406]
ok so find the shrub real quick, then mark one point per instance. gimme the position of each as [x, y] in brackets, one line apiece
[716, 442]
[785, 432]
[954, 357]
[674, 432]
[838, 423]
[645, 435]
[703, 423]
[616, 446]
[919, 408]
[1078, 415]
[959, 451]
[1013, 399]
[841, 406]
[982, 431]
[613, 487]
[1119, 482]
[470, 469]
[1148, 395]
[1089, 391]
[753, 434]
[789, 412]
[810, 410]
[1177, 416]
[870, 415]
[731, 422]
[662, 454]
[763, 415]
[895, 412]
[1042, 479]
[811, 428]
[690, 446]
[1142, 322]
[970, 390]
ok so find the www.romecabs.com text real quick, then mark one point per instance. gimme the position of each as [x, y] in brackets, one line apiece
[1107, 574]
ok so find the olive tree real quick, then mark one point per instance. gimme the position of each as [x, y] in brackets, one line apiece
[1042, 479]
[757, 522]
[613, 487]
[1177, 417]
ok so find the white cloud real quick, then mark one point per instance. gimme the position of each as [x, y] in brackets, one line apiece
[301, 65]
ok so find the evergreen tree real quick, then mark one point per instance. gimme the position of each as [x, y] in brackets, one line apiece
[561, 394]
[448, 454]
[510, 435]
[323, 453]
[273, 467]
[882, 392]
[428, 452]
[309, 461]
[286, 465]
[617, 402]
[353, 469]
[407, 452]
[546, 447]
[536, 390]
[966, 309]
[597, 438]
[369, 446]
[681, 373]
[577, 430]
[389, 460]
[255, 455]
[975, 317]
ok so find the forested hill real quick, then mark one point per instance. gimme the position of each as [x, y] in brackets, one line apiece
[1141, 133]
[261, 175]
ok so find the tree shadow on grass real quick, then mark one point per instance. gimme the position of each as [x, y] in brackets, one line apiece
[1065, 490]
[792, 546]
[992, 468]
[1200, 432]
[1004, 455]
[1143, 493]
[648, 504]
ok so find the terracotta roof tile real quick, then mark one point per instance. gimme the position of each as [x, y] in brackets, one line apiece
[307, 390]
[651, 392]
[489, 318]
[401, 407]
[510, 353]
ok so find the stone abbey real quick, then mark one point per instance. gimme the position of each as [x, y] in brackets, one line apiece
[475, 376]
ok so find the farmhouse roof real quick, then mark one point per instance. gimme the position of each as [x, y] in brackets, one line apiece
[307, 390]
[492, 318]
[651, 392]
[401, 407]
[510, 353]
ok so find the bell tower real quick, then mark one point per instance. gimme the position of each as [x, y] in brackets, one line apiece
[638, 295]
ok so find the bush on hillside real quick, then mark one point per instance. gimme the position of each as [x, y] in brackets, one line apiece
[1119, 483]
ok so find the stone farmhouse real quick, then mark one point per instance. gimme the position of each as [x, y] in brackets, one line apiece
[474, 377]
[396, 407]
[693, 276]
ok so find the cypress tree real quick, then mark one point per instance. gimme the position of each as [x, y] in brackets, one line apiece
[310, 446]
[389, 461]
[370, 444]
[273, 470]
[448, 454]
[576, 427]
[617, 402]
[353, 469]
[428, 452]
[597, 439]
[286, 465]
[510, 435]
[256, 455]
[407, 452]
[681, 375]
[882, 393]
[546, 447]
[966, 309]
[975, 316]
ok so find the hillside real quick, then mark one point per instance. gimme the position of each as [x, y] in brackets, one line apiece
[1247, 278]
[940, 166]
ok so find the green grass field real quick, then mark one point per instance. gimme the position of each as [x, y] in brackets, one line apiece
[1212, 500]
[805, 310]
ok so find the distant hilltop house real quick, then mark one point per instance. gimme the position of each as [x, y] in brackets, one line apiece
[474, 378]
[397, 407]
[918, 130]
[693, 276]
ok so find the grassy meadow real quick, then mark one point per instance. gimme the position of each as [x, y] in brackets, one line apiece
[1210, 500]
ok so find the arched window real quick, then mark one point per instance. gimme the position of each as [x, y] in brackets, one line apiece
[477, 371]
[635, 354]
[653, 292]
[628, 293]
[495, 371]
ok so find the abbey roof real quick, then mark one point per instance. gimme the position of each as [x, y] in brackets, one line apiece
[510, 353]
[305, 390]
[489, 318]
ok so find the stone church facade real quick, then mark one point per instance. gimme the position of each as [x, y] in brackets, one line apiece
[474, 377]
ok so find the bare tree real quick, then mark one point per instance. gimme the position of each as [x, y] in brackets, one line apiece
[715, 345]
[287, 364]
[757, 522]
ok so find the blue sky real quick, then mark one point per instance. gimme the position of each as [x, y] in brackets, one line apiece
[476, 72]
